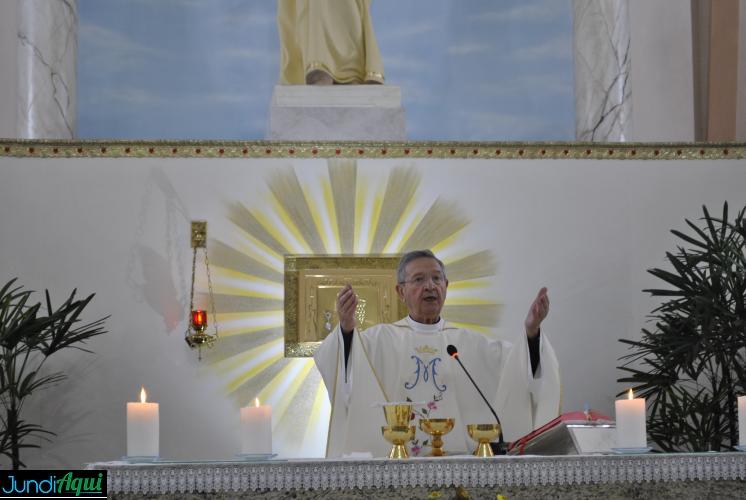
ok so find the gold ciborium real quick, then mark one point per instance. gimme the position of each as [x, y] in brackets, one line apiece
[437, 428]
[397, 435]
[398, 431]
[483, 434]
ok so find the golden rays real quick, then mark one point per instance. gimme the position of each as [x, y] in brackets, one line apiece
[340, 210]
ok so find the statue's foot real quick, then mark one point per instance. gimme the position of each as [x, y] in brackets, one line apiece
[319, 77]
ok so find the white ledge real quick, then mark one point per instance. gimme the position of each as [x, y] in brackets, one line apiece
[375, 96]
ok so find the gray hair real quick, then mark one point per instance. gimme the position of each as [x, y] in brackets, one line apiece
[408, 257]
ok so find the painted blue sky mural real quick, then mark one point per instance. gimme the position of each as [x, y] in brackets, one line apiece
[205, 69]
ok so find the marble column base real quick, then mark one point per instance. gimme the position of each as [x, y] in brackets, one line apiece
[336, 113]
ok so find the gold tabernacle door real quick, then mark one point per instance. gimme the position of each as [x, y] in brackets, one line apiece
[311, 287]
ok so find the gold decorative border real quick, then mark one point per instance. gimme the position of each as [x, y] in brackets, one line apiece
[345, 149]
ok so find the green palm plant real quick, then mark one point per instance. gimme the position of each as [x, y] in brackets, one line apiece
[692, 366]
[27, 339]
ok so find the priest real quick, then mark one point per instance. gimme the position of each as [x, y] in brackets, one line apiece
[408, 361]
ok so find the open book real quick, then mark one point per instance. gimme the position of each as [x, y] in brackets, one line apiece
[572, 433]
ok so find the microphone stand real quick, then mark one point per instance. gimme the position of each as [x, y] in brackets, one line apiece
[500, 445]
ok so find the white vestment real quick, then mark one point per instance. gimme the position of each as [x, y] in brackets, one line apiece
[408, 360]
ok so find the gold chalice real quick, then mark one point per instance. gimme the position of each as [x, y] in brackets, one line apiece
[437, 428]
[398, 430]
[483, 434]
[397, 435]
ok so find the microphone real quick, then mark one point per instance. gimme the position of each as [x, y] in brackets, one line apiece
[453, 352]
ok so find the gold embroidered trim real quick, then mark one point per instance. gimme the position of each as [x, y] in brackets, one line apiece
[426, 349]
[344, 149]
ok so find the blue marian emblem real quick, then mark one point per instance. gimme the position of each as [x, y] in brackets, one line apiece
[425, 371]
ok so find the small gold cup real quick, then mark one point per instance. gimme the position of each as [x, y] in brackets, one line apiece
[437, 428]
[483, 434]
[398, 435]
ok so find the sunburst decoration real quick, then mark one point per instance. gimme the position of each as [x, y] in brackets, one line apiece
[340, 211]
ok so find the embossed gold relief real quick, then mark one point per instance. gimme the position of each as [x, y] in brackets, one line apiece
[311, 287]
[354, 150]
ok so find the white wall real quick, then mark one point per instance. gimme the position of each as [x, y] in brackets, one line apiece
[8, 75]
[119, 227]
[662, 75]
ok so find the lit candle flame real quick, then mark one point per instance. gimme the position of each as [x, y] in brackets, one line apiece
[143, 395]
[256, 402]
[630, 395]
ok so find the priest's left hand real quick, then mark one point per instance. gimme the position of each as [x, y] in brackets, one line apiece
[536, 313]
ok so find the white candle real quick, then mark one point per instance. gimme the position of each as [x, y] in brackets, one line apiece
[256, 428]
[630, 422]
[142, 428]
[742, 420]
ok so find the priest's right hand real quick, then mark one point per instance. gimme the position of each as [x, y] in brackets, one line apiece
[346, 305]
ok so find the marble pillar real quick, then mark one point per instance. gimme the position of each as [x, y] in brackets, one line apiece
[47, 52]
[601, 46]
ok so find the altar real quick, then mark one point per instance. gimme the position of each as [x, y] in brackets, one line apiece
[695, 475]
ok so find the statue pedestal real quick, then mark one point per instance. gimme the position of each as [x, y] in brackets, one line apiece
[336, 112]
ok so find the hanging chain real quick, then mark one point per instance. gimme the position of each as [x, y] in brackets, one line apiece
[191, 293]
[212, 296]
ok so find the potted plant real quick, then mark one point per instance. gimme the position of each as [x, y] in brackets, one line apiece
[692, 365]
[27, 339]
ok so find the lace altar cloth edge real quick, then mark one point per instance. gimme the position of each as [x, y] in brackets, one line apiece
[214, 477]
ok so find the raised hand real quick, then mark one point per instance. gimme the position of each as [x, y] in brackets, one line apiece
[536, 313]
[346, 304]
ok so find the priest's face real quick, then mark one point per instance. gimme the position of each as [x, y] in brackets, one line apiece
[424, 290]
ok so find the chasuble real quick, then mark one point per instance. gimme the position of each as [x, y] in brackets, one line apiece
[332, 36]
[407, 360]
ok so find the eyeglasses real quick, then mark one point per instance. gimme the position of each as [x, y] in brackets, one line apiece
[418, 281]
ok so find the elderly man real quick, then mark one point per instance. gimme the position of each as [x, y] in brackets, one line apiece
[407, 360]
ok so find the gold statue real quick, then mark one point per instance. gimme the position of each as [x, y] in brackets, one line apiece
[323, 42]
